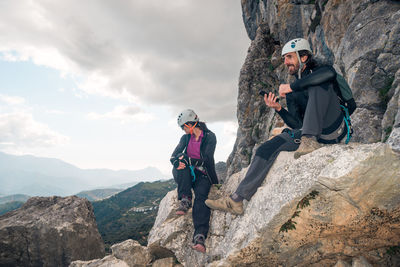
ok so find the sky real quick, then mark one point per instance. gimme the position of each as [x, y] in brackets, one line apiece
[99, 84]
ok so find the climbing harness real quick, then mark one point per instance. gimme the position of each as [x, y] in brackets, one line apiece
[295, 135]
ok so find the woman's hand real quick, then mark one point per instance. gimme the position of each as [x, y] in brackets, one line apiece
[270, 101]
[181, 164]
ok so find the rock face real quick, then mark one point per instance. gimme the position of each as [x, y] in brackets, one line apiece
[335, 204]
[49, 231]
[220, 169]
[359, 38]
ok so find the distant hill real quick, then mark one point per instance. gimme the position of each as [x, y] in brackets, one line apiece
[124, 186]
[130, 213]
[37, 176]
[9, 206]
[17, 197]
[98, 194]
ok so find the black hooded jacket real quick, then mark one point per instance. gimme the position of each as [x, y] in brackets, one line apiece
[296, 101]
[207, 148]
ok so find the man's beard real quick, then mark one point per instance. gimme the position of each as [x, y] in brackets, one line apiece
[293, 69]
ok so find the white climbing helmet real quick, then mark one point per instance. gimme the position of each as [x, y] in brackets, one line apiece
[296, 45]
[186, 116]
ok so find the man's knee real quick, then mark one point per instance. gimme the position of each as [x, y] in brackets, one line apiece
[269, 147]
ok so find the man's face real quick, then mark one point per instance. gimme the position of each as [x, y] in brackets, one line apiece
[291, 62]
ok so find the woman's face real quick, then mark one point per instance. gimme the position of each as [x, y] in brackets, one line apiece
[186, 128]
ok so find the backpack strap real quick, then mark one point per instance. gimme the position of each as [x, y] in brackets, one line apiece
[347, 120]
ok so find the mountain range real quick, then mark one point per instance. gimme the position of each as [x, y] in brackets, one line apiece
[38, 176]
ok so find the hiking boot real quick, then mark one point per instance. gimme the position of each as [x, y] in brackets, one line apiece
[226, 204]
[198, 241]
[184, 206]
[308, 145]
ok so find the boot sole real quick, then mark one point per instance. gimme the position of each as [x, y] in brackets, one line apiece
[180, 213]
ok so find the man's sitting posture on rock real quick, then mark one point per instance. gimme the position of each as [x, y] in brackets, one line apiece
[314, 116]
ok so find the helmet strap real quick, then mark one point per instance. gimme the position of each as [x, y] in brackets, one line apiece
[191, 128]
[301, 64]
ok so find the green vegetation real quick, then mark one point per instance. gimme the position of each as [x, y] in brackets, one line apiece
[383, 92]
[305, 202]
[218, 186]
[388, 131]
[9, 206]
[118, 219]
[271, 67]
[393, 250]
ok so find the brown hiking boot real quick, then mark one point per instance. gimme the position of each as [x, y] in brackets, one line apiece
[226, 204]
[308, 145]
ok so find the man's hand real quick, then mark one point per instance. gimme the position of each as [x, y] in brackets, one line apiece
[270, 101]
[284, 89]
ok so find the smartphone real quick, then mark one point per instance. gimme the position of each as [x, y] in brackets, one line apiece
[262, 93]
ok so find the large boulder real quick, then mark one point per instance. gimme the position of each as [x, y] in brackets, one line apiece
[49, 231]
[131, 254]
[335, 204]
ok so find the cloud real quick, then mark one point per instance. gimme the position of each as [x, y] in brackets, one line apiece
[19, 131]
[124, 114]
[12, 100]
[186, 53]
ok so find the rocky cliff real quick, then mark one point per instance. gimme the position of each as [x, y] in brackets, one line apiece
[361, 40]
[49, 231]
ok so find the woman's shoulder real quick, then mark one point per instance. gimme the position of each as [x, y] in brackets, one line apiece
[210, 135]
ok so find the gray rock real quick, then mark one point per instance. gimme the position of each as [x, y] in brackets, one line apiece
[220, 168]
[49, 231]
[391, 119]
[166, 262]
[342, 263]
[394, 139]
[131, 252]
[107, 261]
[361, 262]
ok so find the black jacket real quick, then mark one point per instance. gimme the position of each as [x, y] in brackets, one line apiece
[296, 101]
[207, 148]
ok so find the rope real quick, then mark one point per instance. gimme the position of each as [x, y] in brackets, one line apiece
[347, 120]
[192, 172]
